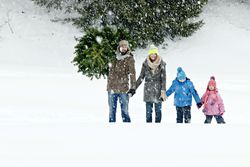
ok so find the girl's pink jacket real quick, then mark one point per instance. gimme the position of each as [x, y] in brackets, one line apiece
[213, 103]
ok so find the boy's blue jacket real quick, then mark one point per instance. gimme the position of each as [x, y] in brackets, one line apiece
[183, 93]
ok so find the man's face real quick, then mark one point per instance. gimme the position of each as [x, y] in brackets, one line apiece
[123, 48]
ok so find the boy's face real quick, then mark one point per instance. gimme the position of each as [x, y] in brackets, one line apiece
[210, 87]
[182, 80]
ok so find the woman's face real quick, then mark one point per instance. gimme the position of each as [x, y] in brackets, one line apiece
[210, 87]
[153, 56]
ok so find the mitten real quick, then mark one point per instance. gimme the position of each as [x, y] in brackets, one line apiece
[221, 113]
[199, 105]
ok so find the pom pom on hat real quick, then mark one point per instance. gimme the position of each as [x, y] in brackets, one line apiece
[212, 82]
[179, 69]
[212, 77]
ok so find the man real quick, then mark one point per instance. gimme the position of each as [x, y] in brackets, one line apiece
[122, 70]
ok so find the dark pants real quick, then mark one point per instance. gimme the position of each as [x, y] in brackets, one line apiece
[183, 112]
[123, 99]
[218, 118]
[149, 111]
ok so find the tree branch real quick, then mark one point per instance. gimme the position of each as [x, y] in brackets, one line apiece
[8, 22]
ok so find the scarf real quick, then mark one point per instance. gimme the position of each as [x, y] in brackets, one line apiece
[154, 65]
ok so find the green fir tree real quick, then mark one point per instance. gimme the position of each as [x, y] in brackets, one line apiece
[143, 22]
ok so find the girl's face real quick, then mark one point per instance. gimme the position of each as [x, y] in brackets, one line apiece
[210, 87]
[153, 56]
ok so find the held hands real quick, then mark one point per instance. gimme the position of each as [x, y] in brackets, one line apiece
[199, 105]
[131, 92]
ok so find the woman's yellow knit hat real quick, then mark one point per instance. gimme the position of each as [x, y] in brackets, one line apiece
[153, 50]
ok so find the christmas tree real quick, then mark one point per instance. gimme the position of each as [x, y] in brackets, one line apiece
[97, 48]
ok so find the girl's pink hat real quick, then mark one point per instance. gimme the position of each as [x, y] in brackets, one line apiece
[212, 82]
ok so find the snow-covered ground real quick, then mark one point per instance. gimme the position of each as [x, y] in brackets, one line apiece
[52, 116]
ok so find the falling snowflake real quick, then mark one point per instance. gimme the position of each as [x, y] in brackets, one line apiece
[99, 39]
[110, 65]
[110, 13]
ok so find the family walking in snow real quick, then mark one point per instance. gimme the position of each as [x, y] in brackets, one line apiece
[122, 85]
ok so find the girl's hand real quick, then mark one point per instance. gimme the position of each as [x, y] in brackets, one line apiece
[221, 113]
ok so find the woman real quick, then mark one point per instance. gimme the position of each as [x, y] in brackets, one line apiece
[154, 72]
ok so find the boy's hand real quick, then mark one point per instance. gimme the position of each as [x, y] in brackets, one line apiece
[199, 105]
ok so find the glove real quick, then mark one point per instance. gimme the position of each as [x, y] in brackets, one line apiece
[163, 96]
[221, 113]
[199, 105]
[131, 92]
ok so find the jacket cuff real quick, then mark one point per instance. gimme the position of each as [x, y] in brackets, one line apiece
[133, 87]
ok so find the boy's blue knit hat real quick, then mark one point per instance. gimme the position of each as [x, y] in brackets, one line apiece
[181, 74]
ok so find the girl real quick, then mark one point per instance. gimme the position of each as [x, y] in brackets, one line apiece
[213, 103]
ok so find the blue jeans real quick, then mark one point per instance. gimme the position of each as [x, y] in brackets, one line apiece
[124, 100]
[149, 110]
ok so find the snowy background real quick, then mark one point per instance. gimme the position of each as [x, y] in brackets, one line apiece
[52, 116]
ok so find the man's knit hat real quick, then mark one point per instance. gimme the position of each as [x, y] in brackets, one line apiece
[124, 43]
